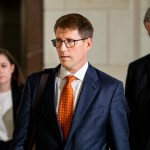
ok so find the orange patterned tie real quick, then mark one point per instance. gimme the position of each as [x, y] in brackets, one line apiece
[65, 112]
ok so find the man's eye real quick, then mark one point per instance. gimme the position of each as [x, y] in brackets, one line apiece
[58, 40]
[70, 41]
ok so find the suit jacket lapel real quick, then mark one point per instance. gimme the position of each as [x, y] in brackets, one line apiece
[85, 99]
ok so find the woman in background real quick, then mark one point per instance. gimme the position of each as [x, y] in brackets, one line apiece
[11, 86]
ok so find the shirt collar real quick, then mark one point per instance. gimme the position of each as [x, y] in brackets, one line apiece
[79, 74]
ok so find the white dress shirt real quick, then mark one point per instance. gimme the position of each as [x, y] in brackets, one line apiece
[76, 84]
[6, 116]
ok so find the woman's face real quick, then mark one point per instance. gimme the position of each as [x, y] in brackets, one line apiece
[6, 70]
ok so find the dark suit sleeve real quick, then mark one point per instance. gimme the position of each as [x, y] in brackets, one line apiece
[23, 119]
[118, 121]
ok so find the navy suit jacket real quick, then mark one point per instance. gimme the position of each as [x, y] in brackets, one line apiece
[100, 118]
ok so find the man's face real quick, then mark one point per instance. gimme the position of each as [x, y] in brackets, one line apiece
[75, 57]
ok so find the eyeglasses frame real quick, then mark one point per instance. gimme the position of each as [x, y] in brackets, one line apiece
[54, 42]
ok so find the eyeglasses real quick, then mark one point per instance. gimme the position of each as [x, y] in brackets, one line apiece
[69, 43]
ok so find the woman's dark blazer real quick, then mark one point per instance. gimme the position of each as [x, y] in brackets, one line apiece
[137, 92]
[16, 97]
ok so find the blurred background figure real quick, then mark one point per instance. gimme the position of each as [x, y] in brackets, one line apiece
[147, 20]
[11, 86]
[137, 91]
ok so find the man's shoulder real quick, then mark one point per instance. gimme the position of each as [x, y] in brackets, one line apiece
[141, 60]
[105, 77]
[37, 75]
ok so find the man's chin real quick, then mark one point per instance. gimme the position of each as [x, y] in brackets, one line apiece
[66, 65]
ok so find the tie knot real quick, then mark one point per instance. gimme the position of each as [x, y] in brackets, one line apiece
[70, 78]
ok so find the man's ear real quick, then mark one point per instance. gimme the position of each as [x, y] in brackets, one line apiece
[89, 43]
[147, 26]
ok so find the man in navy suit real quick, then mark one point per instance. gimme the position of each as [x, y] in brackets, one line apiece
[100, 120]
[138, 95]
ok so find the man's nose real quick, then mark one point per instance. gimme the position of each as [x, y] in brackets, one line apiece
[63, 46]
